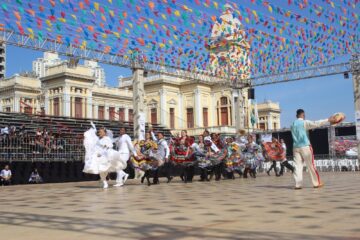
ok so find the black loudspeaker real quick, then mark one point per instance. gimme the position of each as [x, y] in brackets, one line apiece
[251, 93]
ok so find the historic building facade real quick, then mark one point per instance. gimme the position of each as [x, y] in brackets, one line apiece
[173, 102]
[65, 91]
[269, 116]
[64, 88]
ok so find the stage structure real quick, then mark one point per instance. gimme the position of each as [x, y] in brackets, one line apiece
[273, 42]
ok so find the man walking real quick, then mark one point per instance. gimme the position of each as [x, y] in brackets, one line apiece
[302, 150]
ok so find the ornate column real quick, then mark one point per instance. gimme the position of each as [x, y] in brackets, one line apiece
[106, 111]
[89, 112]
[163, 108]
[16, 103]
[233, 107]
[270, 123]
[240, 110]
[95, 112]
[213, 111]
[138, 103]
[127, 113]
[198, 109]
[180, 115]
[66, 101]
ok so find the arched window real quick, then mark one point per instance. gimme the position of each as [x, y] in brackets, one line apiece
[224, 112]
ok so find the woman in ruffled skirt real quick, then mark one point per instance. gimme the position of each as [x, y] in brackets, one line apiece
[100, 157]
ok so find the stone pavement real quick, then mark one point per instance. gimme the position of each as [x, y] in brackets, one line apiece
[261, 208]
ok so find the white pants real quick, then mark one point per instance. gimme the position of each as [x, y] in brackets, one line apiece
[301, 155]
[119, 176]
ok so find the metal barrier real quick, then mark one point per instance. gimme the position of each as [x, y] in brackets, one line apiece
[18, 148]
[52, 149]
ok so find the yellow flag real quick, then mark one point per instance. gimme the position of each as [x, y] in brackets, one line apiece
[96, 6]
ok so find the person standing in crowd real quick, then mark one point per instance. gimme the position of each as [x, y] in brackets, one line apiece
[302, 149]
[163, 152]
[284, 163]
[125, 147]
[5, 176]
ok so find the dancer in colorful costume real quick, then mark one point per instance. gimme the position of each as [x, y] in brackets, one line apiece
[100, 157]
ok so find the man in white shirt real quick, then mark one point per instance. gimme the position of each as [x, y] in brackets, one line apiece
[5, 176]
[126, 148]
[164, 152]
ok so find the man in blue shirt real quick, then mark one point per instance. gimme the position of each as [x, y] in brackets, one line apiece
[302, 149]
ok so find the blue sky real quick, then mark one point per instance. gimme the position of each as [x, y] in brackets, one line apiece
[320, 97]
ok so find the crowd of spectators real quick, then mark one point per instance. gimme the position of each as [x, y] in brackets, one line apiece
[42, 141]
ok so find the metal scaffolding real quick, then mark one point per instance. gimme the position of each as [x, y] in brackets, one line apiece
[50, 45]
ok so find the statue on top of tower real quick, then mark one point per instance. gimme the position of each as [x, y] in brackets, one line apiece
[228, 47]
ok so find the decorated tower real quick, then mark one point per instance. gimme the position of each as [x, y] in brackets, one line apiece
[229, 50]
[229, 58]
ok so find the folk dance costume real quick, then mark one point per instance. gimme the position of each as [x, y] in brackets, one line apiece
[163, 154]
[200, 156]
[253, 158]
[125, 148]
[233, 162]
[180, 154]
[144, 150]
[207, 161]
[218, 158]
[100, 157]
[303, 151]
[274, 152]
[284, 162]
[148, 160]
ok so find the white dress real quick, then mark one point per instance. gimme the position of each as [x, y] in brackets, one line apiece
[100, 156]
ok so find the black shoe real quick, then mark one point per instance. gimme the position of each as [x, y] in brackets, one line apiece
[268, 173]
[169, 179]
[142, 179]
[156, 181]
[182, 178]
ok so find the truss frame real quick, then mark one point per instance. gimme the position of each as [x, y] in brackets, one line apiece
[31, 42]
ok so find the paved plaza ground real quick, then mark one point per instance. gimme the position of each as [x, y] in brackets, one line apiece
[261, 208]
